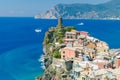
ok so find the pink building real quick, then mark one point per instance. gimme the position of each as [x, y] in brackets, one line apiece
[84, 33]
[70, 37]
[68, 53]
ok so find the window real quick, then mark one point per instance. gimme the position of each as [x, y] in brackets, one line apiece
[68, 37]
[63, 52]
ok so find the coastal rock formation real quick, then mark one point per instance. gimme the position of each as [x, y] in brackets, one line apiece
[51, 55]
[75, 55]
[109, 10]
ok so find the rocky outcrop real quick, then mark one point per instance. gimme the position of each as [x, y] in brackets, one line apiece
[55, 69]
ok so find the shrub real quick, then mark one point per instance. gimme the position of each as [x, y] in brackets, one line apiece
[60, 41]
[70, 28]
[57, 55]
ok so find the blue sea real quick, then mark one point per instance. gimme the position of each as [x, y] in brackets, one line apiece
[21, 46]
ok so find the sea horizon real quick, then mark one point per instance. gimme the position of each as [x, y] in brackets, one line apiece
[56, 18]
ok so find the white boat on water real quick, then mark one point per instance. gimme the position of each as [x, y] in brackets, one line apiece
[81, 24]
[38, 30]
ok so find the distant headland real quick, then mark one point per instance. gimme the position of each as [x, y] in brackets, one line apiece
[84, 11]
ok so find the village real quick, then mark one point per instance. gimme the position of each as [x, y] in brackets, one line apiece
[91, 58]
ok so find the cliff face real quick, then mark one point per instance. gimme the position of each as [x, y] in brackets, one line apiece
[49, 72]
[109, 10]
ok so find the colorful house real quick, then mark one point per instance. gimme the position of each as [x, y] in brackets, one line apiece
[102, 47]
[82, 33]
[68, 53]
[100, 63]
[118, 61]
[69, 37]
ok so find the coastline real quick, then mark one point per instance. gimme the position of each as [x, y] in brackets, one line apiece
[79, 18]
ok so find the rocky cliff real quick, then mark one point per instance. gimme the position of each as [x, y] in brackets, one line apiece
[52, 61]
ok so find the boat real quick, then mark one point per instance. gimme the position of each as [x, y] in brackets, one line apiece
[38, 30]
[37, 17]
[81, 24]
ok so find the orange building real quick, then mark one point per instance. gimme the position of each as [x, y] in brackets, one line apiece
[118, 62]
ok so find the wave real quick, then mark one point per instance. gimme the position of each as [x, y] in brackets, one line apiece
[41, 60]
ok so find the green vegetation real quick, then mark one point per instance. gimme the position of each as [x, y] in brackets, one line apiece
[52, 44]
[54, 35]
[60, 41]
[57, 55]
[70, 28]
[107, 10]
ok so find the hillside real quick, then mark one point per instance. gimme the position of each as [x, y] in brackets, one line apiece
[109, 10]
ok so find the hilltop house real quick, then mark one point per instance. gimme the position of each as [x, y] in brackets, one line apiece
[73, 35]
[70, 37]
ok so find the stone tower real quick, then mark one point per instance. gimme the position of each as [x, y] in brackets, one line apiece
[60, 26]
[60, 22]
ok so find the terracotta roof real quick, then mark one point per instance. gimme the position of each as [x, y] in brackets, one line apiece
[83, 33]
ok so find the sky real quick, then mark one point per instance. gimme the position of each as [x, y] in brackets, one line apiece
[29, 8]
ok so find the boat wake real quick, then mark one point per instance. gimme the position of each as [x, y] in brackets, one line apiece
[80, 24]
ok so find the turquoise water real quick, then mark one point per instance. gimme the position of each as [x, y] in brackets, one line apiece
[20, 61]
[21, 46]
